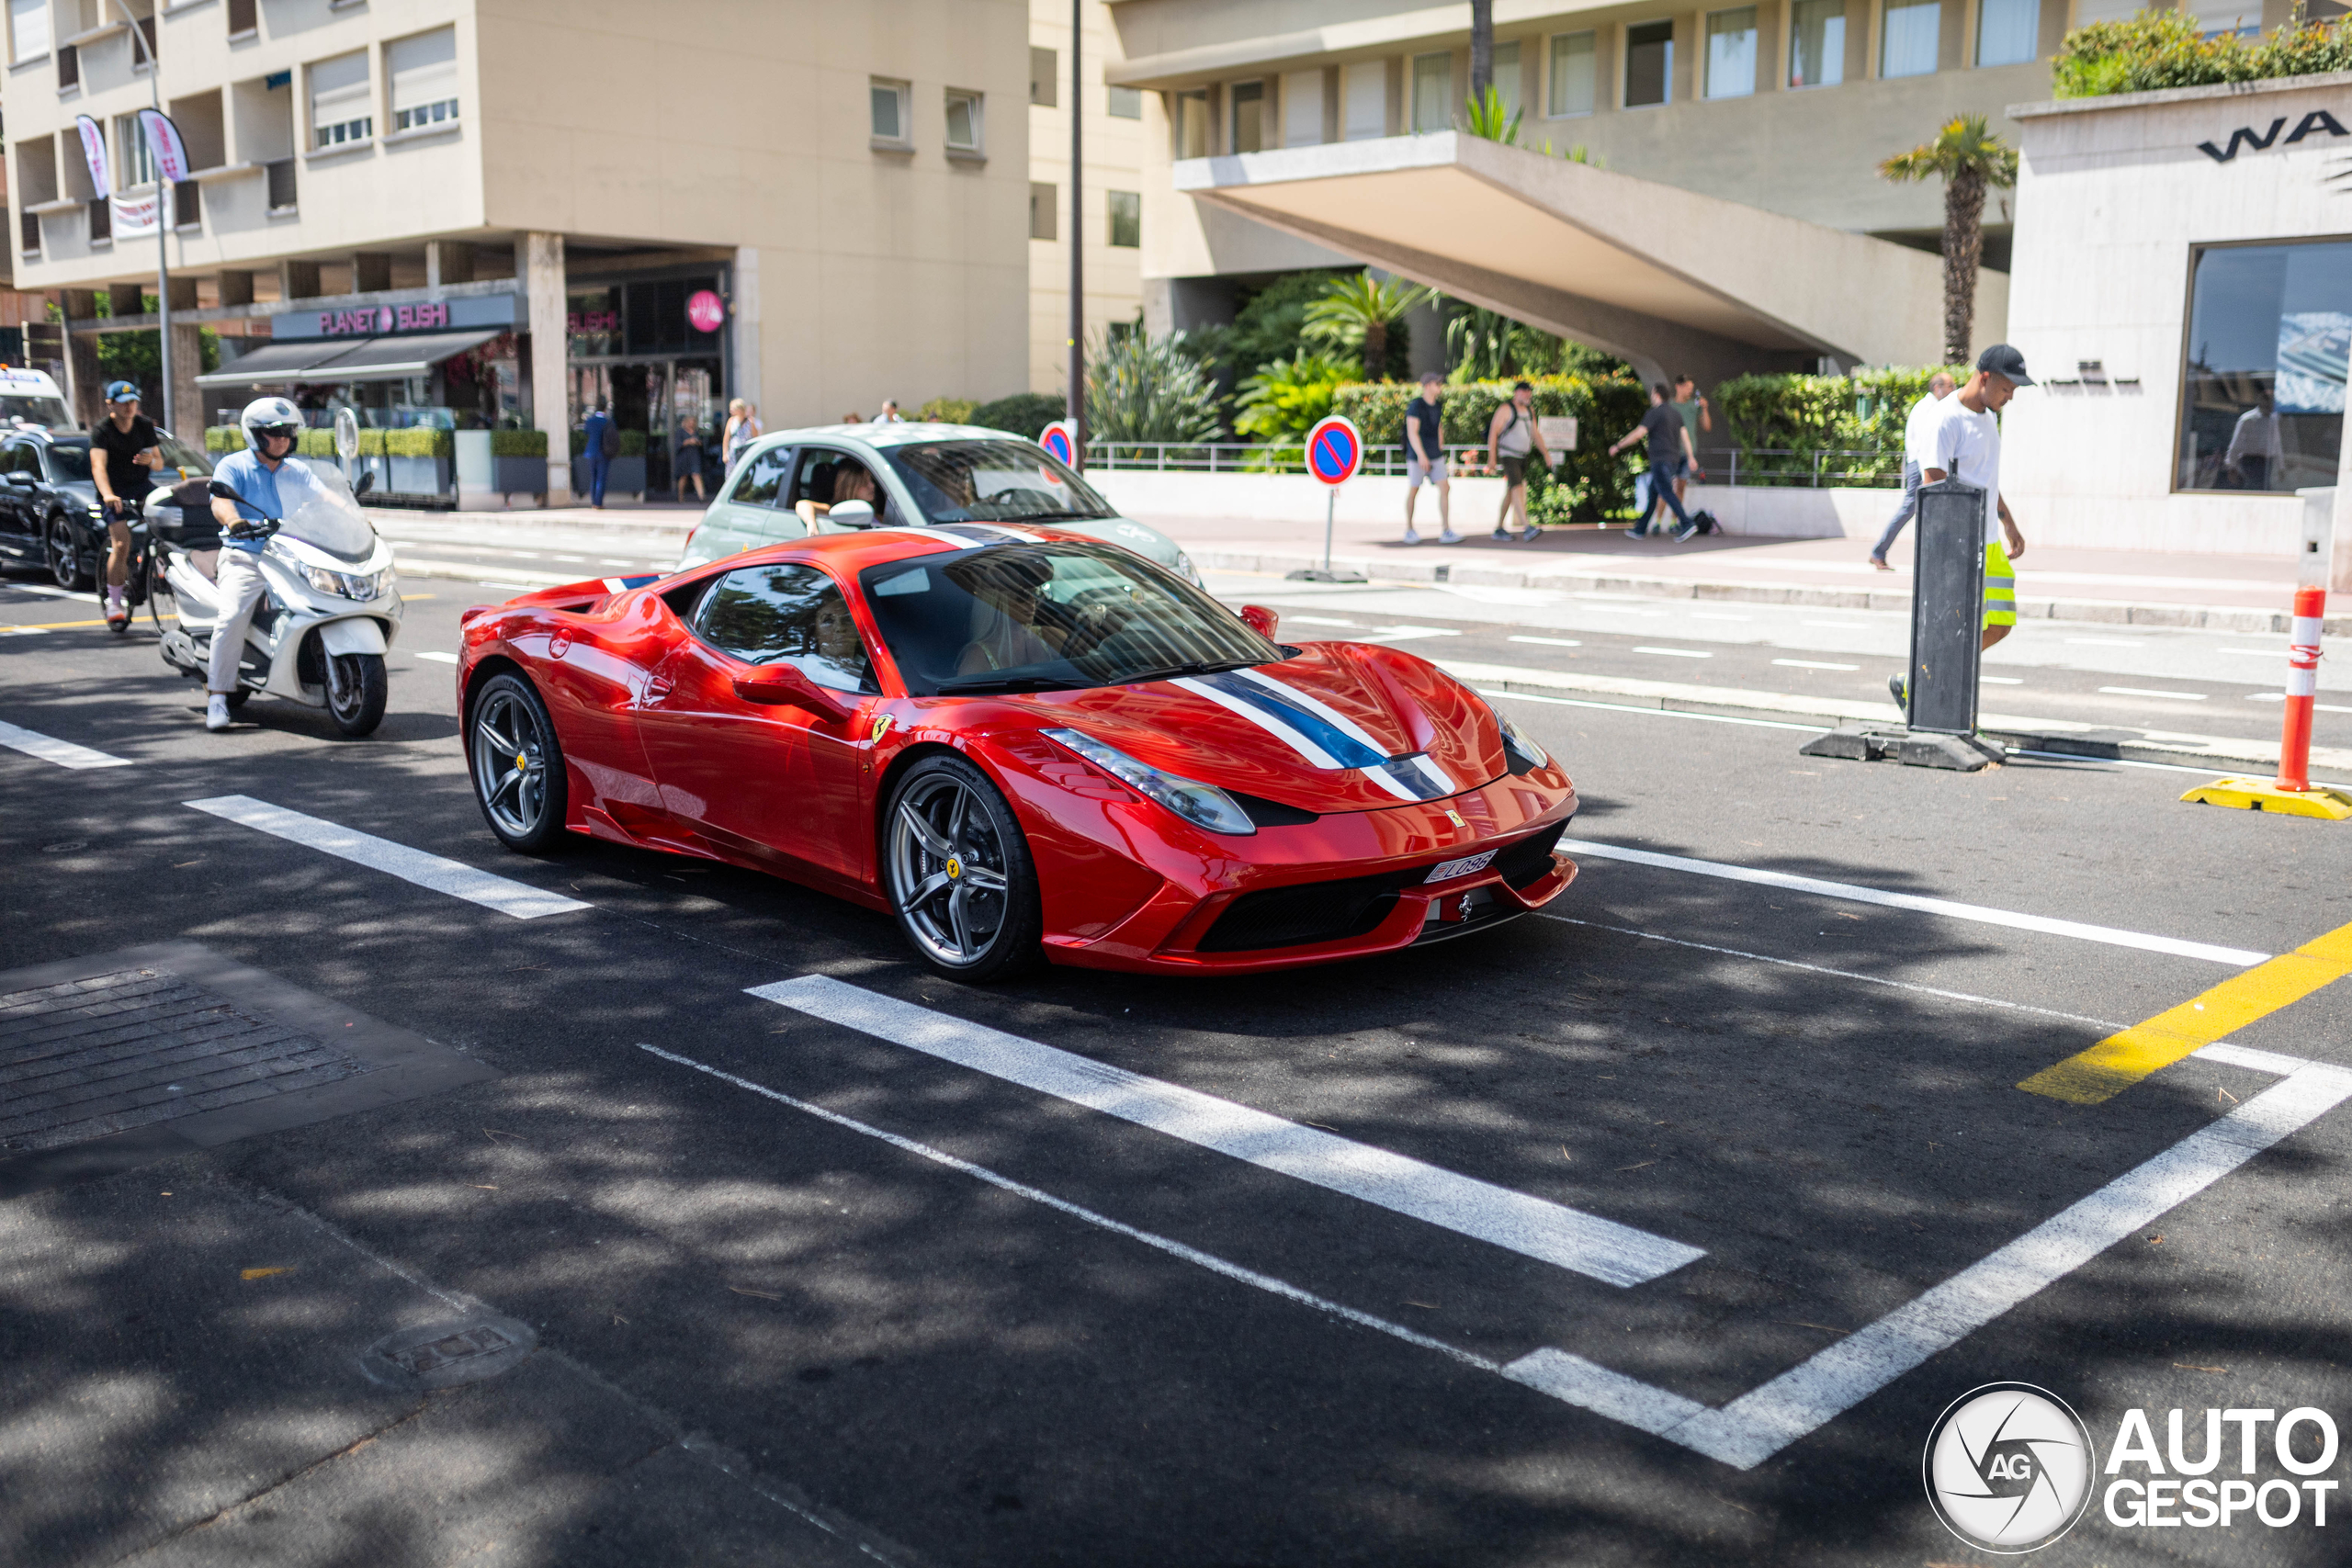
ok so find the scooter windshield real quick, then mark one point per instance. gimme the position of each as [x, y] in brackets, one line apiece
[319, 511]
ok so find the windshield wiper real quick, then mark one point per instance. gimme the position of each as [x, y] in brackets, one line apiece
[1170, 673]
[1004, 683]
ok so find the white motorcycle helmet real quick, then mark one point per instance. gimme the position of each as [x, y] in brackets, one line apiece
[270, 416]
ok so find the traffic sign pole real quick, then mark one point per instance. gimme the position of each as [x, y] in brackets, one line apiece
[1334, 452]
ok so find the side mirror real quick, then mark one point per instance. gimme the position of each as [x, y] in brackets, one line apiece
[782, 685]
[1260, 619]
[851, 514]
[222, 492]
[367, 482]
[22, 482]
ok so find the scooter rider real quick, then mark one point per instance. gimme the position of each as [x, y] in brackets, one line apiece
[272, 427]
[122, 453]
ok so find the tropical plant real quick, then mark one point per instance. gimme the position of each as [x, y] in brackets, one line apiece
[2158, 49]
[1151, 390]
[1590, 484]
[1485, 115]
[1969, 159]
[1281, 403]
[1360, 311]
[1782, 424]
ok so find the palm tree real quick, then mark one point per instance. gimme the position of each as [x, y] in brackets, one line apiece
[1482, 47]
[1357, 310]
[1970, 160]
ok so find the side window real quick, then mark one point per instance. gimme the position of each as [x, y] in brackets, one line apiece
[762, 478]
[827, 475]
[787, 615]
[22, 458]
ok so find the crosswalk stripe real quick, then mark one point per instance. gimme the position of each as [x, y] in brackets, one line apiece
[48, 748]
[453, 877]
[1533, 1227]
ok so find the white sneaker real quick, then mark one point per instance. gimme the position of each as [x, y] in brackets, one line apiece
[1448, 538]
[216, 712]
[1412, 538]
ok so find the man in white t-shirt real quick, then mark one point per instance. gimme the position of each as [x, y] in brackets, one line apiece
[1917, 428]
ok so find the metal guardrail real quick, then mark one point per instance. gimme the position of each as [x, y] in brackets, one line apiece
[1761, 467]
[1788, 468]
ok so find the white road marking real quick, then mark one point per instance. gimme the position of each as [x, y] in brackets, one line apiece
[1710, 616]
[2255, 653]
[1552, 1233]
[2106, 641]
[1407, 633]
[1842, 626]
[453, 877]
[614, 560]
[1676, 652]
[1628, 610]
[1662, 713]
[2247, 1056]
[2236, 957]
[2146, 691]
[2281, 696]
[574, 560]
[2001, 680]
[438, 657]
[1551, 641]
[1321, 621]
[46, 592]
[23, 631]
[1813, 664]
[64, 753]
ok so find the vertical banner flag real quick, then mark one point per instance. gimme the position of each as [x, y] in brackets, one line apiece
[164, 140]
[94, 152]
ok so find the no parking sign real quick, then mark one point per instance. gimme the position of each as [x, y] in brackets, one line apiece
[1334, 450]
[1058, 439]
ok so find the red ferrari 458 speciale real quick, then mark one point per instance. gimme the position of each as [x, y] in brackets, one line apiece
[1016, 741]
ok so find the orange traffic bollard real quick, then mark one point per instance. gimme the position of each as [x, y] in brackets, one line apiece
[2292, 791]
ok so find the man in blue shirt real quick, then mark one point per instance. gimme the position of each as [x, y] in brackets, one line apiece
[600, 462]
[272, 427]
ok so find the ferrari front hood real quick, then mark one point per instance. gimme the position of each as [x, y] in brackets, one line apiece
[1342, 726]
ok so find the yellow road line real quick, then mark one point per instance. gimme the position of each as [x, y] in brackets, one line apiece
[2117, 1062]
[50, 626]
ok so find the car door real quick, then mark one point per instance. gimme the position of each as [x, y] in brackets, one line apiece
[766, 781]
[20, 481]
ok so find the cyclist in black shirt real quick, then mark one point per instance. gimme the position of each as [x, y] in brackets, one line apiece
[122, 453]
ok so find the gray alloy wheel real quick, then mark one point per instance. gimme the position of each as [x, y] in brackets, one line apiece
[65, 552]
[516, 763]
[958, 872]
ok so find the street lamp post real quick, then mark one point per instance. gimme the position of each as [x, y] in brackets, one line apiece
[1077, 402]
[163, 213]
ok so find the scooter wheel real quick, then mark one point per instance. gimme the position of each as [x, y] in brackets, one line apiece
[356, 690]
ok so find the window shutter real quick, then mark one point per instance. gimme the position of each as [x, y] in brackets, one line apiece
[424, 79]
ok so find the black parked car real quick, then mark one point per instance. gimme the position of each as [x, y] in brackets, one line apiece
[49, 516]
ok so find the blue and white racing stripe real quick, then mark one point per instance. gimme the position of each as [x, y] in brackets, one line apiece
[961, 535]
[1325, 738]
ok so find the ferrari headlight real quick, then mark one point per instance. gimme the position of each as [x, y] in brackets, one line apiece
[1202, 805]
[347, 584]
[1520, 748]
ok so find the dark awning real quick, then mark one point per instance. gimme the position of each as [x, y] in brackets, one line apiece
[348, 359]
[276, 362]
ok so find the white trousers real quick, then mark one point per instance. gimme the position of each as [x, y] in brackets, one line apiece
[240, 585]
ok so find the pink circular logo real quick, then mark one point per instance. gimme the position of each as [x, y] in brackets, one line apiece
[706, 310]
[384, 320]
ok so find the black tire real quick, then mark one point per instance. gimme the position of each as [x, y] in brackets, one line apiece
[357, 688]
[524, 804]
[959, 873]
[63, 550]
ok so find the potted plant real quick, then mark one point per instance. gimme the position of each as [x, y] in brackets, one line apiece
[627, 475]
[418, 459]
[518, 461]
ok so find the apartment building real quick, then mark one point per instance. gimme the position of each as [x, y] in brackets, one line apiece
[444, 211]
[1111, 224]
[1715, 145]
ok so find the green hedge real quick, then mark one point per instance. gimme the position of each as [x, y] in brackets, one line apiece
[1591, 484]
[631, 443]
[316, 444]
[2158, 49]
[1023, 413]
[518, 443]
[371, 441]
[225, 438]
[418, 441]
[1778, 423]
[951, 410]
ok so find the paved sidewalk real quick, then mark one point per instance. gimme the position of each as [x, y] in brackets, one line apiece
[2246, 593]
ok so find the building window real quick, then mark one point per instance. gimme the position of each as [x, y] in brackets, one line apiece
[1506, 78]
[424, 79]
[1127, 103]
[1913, 37]
[242, 17]
[342, 101]
[1044, 201]
[1816, 44]
[2214, 17]
[27, 30]
[2262, 394]
[1248, 117]
[1731, 53]
[134, 161]
[1192, 125]
[888, 106]
[2008, 32]
[1364, 89]
[1127, 218]
[1044, 72]
[1432, 91]
[1302, 109]
[1572, 75]
[964, 126]
[1649, 64]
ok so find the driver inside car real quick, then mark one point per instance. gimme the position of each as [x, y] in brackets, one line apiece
[851, 482]
[1008, 629]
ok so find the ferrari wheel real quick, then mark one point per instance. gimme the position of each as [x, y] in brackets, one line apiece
[516, 763]
[958, 872]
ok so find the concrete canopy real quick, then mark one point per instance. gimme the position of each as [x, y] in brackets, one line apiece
[1666, 278]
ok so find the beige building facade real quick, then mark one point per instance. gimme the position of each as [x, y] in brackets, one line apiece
[812, 206]
[1110, 225]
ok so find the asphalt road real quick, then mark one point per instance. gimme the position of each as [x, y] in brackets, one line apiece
[789, 1291]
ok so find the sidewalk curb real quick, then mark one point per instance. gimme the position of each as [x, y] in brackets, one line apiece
[2106, 611]
[2091, 742]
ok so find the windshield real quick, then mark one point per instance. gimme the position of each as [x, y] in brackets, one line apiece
[1050, 617]
[178, 454]
[992, 481]
[48, 413]
[69, 461]
[319, 511]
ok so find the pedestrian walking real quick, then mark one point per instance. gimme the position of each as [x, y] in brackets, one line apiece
[1967, 447]
[1918, 442]
[889, 414]
[122, 455]
[600, 440]
[742, 429]
[1513, 437]
[1697, 418]
[687, 463]
[1425, 459]
[1670, 455]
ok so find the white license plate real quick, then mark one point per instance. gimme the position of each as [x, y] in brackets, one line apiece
[1462, 867]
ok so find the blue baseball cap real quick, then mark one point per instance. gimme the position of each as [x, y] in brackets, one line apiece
[122, 393]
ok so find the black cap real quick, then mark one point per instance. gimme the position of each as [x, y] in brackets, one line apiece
[2006, 363]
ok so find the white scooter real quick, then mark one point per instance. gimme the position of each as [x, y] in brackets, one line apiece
[320, 634]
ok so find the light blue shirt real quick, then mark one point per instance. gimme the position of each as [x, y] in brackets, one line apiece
[243, 473]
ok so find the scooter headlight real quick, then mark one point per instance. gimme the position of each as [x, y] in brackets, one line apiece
[347, 584]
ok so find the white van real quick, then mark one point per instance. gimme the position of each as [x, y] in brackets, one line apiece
[31, 397]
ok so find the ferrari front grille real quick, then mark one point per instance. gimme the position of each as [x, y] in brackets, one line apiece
[1529, 861]
[1313, 911]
